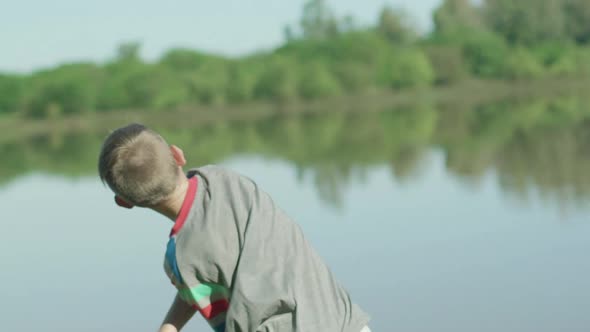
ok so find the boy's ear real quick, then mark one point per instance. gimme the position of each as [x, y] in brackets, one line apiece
[178, 155]
[123, 203]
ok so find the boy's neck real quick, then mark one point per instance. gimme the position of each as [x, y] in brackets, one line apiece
[171, 207]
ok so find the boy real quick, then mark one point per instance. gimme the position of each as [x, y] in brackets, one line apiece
[233, 255]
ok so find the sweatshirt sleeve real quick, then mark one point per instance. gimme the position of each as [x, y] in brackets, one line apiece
[211, 300]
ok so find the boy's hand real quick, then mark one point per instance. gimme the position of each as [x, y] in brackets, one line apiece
[167, 328]
[178, 315]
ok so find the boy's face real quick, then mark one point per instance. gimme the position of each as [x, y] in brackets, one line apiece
[178, 155]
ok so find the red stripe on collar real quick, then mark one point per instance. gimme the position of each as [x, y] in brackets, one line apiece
[186, 206]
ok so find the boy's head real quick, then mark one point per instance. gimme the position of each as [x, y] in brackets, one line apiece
[139, 166]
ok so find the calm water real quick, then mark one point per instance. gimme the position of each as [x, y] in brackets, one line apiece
[481, 227]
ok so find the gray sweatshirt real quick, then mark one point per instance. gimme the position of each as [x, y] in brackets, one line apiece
[246, 266]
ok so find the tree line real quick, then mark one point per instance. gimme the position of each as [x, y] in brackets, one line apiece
[541, 143]
[325, 56]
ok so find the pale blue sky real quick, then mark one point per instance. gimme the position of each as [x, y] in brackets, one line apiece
[38, 34]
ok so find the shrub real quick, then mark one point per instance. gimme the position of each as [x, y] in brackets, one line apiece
[521, 64]
[278, 81]
[407, 68]
[317, 81]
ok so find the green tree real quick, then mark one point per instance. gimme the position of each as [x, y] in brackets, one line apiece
[526, 21]
[556, 57]
[209, 82]
[522, 64]
[279, 80]
[128, 51]
[11, 90]
[182, 60]
[448, 63]
[577, 13]
[363, 47]
[112, 93]
[243, 77]
[583, 60]
[454, 15]
[485, 53]
[395, 26]
[318, 21]
[168, 90]
[206, 76]
[67, 89]
[317, 81]
[407, 68]
[353, 76]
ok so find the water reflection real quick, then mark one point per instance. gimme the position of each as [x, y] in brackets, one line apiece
[538, 145]
[416, 246]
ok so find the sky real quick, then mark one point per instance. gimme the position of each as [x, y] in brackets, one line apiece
[41, 34]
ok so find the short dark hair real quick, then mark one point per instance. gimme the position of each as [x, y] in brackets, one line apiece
[138, 165]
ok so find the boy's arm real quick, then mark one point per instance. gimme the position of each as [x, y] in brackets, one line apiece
[179, 314]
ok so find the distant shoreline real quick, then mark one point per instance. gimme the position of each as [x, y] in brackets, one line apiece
[468, 93]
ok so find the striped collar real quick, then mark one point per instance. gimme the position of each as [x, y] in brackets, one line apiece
[189, 198]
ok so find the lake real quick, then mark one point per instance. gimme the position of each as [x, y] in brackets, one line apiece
[434, 218]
